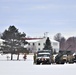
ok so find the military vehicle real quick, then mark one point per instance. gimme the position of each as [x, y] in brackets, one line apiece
[64, 57]
[44, 51]
[43, 56]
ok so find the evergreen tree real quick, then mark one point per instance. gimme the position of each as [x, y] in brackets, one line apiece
[48, 45]
[13, 41]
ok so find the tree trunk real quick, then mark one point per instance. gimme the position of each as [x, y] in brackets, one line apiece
[11, 56]
[18, 57]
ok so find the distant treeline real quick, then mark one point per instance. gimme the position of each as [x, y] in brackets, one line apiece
[69, 44]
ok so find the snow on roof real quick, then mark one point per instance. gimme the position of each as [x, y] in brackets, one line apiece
[53, 40]
[2, 40]
[36, 40]
[32, 40]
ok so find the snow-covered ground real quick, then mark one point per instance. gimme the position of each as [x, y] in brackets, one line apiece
[28, 68]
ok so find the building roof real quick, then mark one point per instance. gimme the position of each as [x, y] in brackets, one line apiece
[32, 40]
[38, 39]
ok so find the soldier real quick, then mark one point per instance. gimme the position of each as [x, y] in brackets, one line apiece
[24, 56]
[34, 57]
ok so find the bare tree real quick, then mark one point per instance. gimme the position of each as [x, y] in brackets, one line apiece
[57, 37]
[71, 44]
[62, 43]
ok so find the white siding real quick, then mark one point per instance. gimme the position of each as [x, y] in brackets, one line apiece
[36, 46]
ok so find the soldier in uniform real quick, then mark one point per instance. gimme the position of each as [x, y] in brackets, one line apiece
[24, 56]
[34, 57]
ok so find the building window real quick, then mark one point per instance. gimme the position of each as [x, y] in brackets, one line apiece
[33, 44]
[39, 44]
[38, 48]
[28, 43]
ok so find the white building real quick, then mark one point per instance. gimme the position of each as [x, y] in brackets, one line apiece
[36, 44]
[1, 42]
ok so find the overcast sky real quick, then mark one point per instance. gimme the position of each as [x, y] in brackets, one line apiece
[35, 17]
